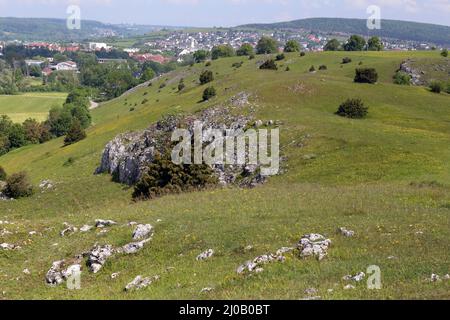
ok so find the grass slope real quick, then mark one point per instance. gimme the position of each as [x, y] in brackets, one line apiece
[30, 105]
[386, 177]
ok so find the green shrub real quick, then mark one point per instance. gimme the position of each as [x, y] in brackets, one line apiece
[181, 85]
[237, 64]
[280, 57]
[288, 68]
[447, 89]
[436, 86]
[144, 101]
[346, 60]
[323, 67]
[302, 54]
[402, 78]
[164, 177]
[312, 69]
[269, 65]
[353, 108]
[292, 46]
[18, 186]
[444, 53]
[209, 93]
[76, 133]
[2, 174]
[206, 77]
[366, 75]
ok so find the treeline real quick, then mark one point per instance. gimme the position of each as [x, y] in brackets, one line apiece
[69, 120]
[355, 43]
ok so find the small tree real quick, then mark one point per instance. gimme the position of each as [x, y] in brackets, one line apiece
[312, 69]
[266, 45]
[222, 51]
[206, 77]
[245, 50]
[436, 86]
[332, 45]
[444, 53]
[366, 75]
[209, 93]
[355, 43]
[269, 65]
[353, 108]
[200, 56]
[3, 174]
[402, 78]
[181, 85]
[292, 46]
[302, 54]
[76, 133]
[346, 60]
[18, 186]
[375, 44]
[323, 67]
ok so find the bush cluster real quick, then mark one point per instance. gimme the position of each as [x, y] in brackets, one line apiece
[269, 65]
[353, 108]
[18, 186]
[366, 75]
[402, 78]
[206, 77]
[164, 177]
[209, 93]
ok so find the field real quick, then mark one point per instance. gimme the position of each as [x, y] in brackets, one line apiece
[30, 105]
[386, 177]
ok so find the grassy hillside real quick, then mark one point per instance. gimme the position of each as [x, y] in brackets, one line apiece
[403, 30]
[386, 177]
[30, 105]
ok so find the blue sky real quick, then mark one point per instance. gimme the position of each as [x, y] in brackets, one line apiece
[227, 12]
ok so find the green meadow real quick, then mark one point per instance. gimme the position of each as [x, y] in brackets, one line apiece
[386, 177]
[30, 105]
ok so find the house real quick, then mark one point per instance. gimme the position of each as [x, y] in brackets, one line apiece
[66, 66]
[30, 63]
[104, 60]
[47, 71]
[98, 46]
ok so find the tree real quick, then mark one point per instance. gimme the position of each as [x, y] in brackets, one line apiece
[181, 85]
[222, 51]
[375, 44]
[353, 108]
[59, 121]
[436, 86]
[267, 45]
[200, 56]
[280, 57]
[16, 136]
[206, 77]
[269, 65]
[402, 78]
[32, 130]
[292, 46]
[332, 45]
[444, 53]
[209, 93]
[366, 75]
[3, 174]
[245, 50]
[76, 133]
[147, 74]
[18, 186]
[355, 43]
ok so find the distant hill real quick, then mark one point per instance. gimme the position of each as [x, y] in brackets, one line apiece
[47, 29]
[402, 30]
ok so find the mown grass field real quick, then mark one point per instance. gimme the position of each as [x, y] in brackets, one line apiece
[30, 105]
[386, 177]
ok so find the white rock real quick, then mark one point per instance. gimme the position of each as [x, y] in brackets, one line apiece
[205, 255]
[206, 290]
[349, 287]
[346, 233]
[98, 257]
[115, 275]
[104, 223]
[143, 232]
[134, 247]
[26, 271]
[86, 228]
[140, 283]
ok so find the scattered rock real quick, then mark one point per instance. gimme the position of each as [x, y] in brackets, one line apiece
[205, 255]
[58, 273]
[141, 283]
[46, 185]
[115, 275]
[98, 257]
[435, 278]
[358, 277]
[206, 290]
[314, 245]
[134, 247]
[68, 229]
[26, 271]
[86, 228]
[311, 291]
[32, 233]
[143, 232]
[346, 233]
[349, 287]
[7, 247]
[104, 223]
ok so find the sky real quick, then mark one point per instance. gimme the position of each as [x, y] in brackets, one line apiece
[224, 13]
